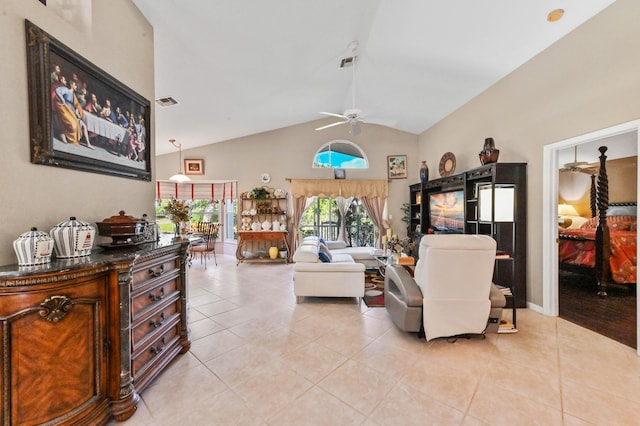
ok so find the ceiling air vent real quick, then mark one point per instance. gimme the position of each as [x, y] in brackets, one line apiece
[165, 102]
[347, 62]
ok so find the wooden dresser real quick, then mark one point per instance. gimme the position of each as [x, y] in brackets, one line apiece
[81, 338]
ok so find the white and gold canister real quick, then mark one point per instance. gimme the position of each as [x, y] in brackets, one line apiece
[73, 238]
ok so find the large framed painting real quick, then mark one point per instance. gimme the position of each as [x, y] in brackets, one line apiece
[397, 166]
[80, 117]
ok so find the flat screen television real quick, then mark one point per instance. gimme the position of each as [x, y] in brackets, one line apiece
[446, 211]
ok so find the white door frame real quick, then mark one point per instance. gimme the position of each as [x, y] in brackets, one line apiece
[550, 212]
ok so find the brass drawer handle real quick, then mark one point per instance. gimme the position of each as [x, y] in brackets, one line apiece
[156, 324]
[158, 297]
[157, 272]
[158, 349]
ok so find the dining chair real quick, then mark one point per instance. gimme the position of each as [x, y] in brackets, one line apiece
[209, 236]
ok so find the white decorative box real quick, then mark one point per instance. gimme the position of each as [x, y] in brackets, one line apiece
[33, 248]
[73, 238]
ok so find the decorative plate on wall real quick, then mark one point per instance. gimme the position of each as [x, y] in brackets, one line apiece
[447, 164]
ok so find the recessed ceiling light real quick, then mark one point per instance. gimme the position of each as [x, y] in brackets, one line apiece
[555, 15]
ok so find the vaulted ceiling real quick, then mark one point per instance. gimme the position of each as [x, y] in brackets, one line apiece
[247, 66]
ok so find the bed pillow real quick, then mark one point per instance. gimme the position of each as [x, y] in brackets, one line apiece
[577, 222]
[622, 211]
[618, 223]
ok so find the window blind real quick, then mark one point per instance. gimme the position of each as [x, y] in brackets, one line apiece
[213, 191]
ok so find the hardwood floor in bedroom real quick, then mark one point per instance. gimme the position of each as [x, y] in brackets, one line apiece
[614, 316]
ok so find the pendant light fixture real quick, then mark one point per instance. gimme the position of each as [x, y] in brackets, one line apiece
[179, 177]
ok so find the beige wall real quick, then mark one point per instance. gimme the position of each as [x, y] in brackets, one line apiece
[585, 82]
[120, 42]
[288, 153]
[575, 188]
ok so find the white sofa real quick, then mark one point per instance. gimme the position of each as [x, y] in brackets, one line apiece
[342, 277]
[362, 255]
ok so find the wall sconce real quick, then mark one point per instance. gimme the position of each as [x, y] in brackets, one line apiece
[565, 211]
[503, 205]
[179, 177]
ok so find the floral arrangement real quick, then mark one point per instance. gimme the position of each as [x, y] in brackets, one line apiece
[404, 245]
[178, 210]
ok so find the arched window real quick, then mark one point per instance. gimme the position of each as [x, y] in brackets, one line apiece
[340, 154]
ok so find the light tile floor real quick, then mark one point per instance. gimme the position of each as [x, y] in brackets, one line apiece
[258, 358]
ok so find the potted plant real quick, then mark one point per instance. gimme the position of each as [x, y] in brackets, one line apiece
[260, 193]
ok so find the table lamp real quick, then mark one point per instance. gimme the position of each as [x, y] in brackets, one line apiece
[565, 211]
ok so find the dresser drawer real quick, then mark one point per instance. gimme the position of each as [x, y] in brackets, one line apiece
[155, 269]
[153, 351]
[154, 320]
[149, 297]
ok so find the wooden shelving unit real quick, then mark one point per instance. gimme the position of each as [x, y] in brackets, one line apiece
[482, 215]
[254, 239]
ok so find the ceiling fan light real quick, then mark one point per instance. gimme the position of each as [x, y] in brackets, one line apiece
[180, 178]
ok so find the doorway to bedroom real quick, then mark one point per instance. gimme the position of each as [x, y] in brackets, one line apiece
[568, 292]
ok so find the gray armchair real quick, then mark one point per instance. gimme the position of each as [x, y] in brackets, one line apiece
[451, 292]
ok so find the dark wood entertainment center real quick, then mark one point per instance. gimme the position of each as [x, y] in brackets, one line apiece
[481, 187]
[82, 337]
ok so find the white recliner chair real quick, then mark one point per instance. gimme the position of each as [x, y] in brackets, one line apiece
[451, 293]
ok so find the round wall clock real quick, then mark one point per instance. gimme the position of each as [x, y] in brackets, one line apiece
[447, 164]
[265, 178]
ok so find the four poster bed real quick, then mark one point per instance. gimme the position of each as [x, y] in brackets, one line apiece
[605, 246]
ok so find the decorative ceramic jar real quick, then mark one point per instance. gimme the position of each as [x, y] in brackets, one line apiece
[273, 252]
[275, 225]
[255, 226]
[33, 248]
[73, 238]
[266, 225]
[283, 227]
[489, 153]
[424, 172]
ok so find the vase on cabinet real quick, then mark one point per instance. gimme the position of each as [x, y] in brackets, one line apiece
[273, 252]
[424, 172]
[489, 153]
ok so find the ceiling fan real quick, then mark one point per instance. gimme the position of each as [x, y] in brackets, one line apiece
[351, 116]
[579, 166]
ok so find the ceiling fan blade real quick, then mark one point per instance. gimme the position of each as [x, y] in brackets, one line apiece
[380, 121]
[334, 114]
[331, 125]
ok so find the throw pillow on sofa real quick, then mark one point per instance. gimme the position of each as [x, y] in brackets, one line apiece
[323, 257]
[324, 249]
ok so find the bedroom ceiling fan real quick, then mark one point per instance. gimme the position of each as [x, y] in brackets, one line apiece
[579, 166]
[353, 115]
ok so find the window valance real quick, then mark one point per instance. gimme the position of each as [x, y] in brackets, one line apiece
[333, 188]
[214, 191]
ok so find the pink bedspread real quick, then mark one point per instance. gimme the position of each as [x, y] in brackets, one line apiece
[623, 252]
